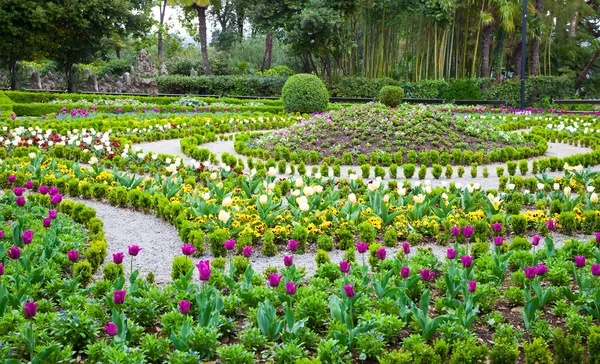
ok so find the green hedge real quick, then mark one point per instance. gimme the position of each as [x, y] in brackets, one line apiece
[539, 91]
[222, 85]
[6, 106]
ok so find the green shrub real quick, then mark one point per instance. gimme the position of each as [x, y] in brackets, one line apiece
[390, 238]
[519, 243]
[568, 349]
[112, 271]
[515, 296]
[467, 351]
[422, 171]
[518, 223]
[300, 234]
[512, 167]
[269, 248]
[504, 351]
[181, 266]
[391, 96]
[537, 352]
[216, 240]
[523, 167]
[449, 171]
[437, 171]
[567, 222]
[83, 269]
[304, 93]
[408, 170]
[366, 232]
[345, 239]
[594, 345]
[325, 243]
[322, 258]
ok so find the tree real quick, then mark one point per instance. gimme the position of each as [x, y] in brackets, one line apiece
[272, 17]
[200, 7]
[77, 29]
[162, 5]
[22, 33]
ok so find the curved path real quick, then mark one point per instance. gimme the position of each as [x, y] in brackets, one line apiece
[160, 243]
[491, 182]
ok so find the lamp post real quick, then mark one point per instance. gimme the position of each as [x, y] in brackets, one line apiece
[523, 53]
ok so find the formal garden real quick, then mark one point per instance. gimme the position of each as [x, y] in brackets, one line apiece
[325, 182]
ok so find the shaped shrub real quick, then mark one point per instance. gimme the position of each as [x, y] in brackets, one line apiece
[391, 95]
[304, 93]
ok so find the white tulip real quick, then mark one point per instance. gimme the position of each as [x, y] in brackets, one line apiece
[224, 216]
[263, 199]
[352, 198]
[227, 201]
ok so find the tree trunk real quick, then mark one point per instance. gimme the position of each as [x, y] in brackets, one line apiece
[587, 69]
[163, 9]
[498, 54]
[517, 60]
[535, 44]
[485, 51]
[202, 32]
[266, 62]
[118, 52]
[71, 87]
[12, 68]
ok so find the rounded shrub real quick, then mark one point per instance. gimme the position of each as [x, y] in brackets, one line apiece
[304, 93]
[391, 95]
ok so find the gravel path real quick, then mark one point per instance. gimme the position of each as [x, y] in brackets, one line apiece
[159, 241]
[491, 182]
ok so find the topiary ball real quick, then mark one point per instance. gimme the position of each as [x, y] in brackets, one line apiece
[391, 95]
[304, 93]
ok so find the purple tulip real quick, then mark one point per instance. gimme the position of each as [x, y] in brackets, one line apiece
[405, 272]
[53, 191]
[466, 260]
[467, 231]
[406, 248]
[541, 269]
[247, 251]
[133, 250]
[362, 247]
[118, 258]
[288, 260]
[30, 309]
[472, 286]
[18, 191]
[550, 224]
[535, 241]
[20, 201]
[1, 234]
[579, 261]
[530, 272]
[229, 244]
[381, 253]
[497, 227]
[451, 253]
[455, 231]
[184, 306]
[56, 199]
[426, 274]
[12, 178]
[73, 255]
[29, 184]
[43, 189]
[46, 221]
[344, 266]
[53, 214]
[596, 270]
[203, 264]
[187, 249]
[349, 291]
[119, 297]
[205, 272]
[14, 253]
[498, 240]
[598, 237]
[274, 280]
[292, 245]
[111, 329]
[1, 269]
[290, 288]
[27, 236]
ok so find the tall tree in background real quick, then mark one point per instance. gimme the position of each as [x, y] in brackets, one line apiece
[76, 29]
[162, 11]
[22, 33]
[200, 6]
[272, 17]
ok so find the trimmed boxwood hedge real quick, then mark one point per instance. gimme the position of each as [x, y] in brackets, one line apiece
[222, 85]
[304, 93]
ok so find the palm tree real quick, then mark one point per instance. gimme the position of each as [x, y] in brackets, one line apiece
[200, 6]
[500, 14]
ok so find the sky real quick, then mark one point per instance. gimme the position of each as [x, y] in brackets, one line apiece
[172, 18]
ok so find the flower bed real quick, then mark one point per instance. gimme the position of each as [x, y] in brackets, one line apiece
[509, 276]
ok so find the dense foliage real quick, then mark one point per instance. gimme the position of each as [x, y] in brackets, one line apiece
[304, 93]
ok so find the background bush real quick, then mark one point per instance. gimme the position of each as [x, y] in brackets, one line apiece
[304, 93]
